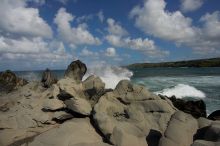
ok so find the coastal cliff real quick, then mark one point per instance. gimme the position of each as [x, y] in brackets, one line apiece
[213, 62]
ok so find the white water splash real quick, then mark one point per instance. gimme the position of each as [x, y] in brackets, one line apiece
[181, 91]
[110, 75]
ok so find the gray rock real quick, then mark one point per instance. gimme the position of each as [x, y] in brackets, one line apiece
[203, 122]
[53, 104]
[180, 130]
[79, 105]
[94, 88]
[128, 135]
[208, 130]
[73, 132]
[70, 88]
[205, 143]
[134, 105]
[48, 78]
[9, 81]
[61, 116]
[92, 85]
[213, 133]
[76, 70]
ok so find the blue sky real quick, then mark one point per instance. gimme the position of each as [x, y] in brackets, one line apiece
[35, 34]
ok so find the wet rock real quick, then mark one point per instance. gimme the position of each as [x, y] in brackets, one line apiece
[214, 115]
[195, 108]
[48, 78]
[9, 81]
[76, 70]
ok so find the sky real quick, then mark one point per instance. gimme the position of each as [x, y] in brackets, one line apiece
[39, 34]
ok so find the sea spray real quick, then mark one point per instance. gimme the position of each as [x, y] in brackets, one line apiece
[181, 91]
[110, 75]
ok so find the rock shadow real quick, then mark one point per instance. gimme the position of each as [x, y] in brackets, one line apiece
[153, 137]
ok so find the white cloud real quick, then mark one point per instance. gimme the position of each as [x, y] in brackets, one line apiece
[117, 37]
[211, 25]
[110, 52]
[24, 53]
[21, 20]
[22, 45]
[146, 46]
[191, 5]
[115, 29]
[87, 53]
[73, 35]
[101, 16]
[152, 18]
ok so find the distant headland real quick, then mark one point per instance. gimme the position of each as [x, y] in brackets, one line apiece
[212, 62]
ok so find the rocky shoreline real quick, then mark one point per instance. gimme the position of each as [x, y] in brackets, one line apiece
[72, 112]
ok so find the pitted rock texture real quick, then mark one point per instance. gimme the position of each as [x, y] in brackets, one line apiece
[134, 106]
[76, 70]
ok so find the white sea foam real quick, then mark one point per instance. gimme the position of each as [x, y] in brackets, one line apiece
[110, 75]
[181, 91]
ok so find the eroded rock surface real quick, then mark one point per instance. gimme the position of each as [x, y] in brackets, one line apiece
[76, 132]
[196, 108]
[135, 107]
[48, 78]
[9, 81]
[76, 70]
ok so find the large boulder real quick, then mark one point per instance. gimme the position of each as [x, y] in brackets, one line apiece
[76, 70]
[48, 78]
[9, 81]
[76, 132]
[70, 88]
[73, 96]
[208, 133]
[94, 88]
[134, 106]
[180, 130]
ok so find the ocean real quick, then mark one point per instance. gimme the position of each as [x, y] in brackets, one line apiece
[185, 83]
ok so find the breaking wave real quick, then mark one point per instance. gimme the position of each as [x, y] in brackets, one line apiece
[110, 75]
[181, 91]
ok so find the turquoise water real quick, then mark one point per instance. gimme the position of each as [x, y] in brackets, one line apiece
[196, 83]
[188, 82]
